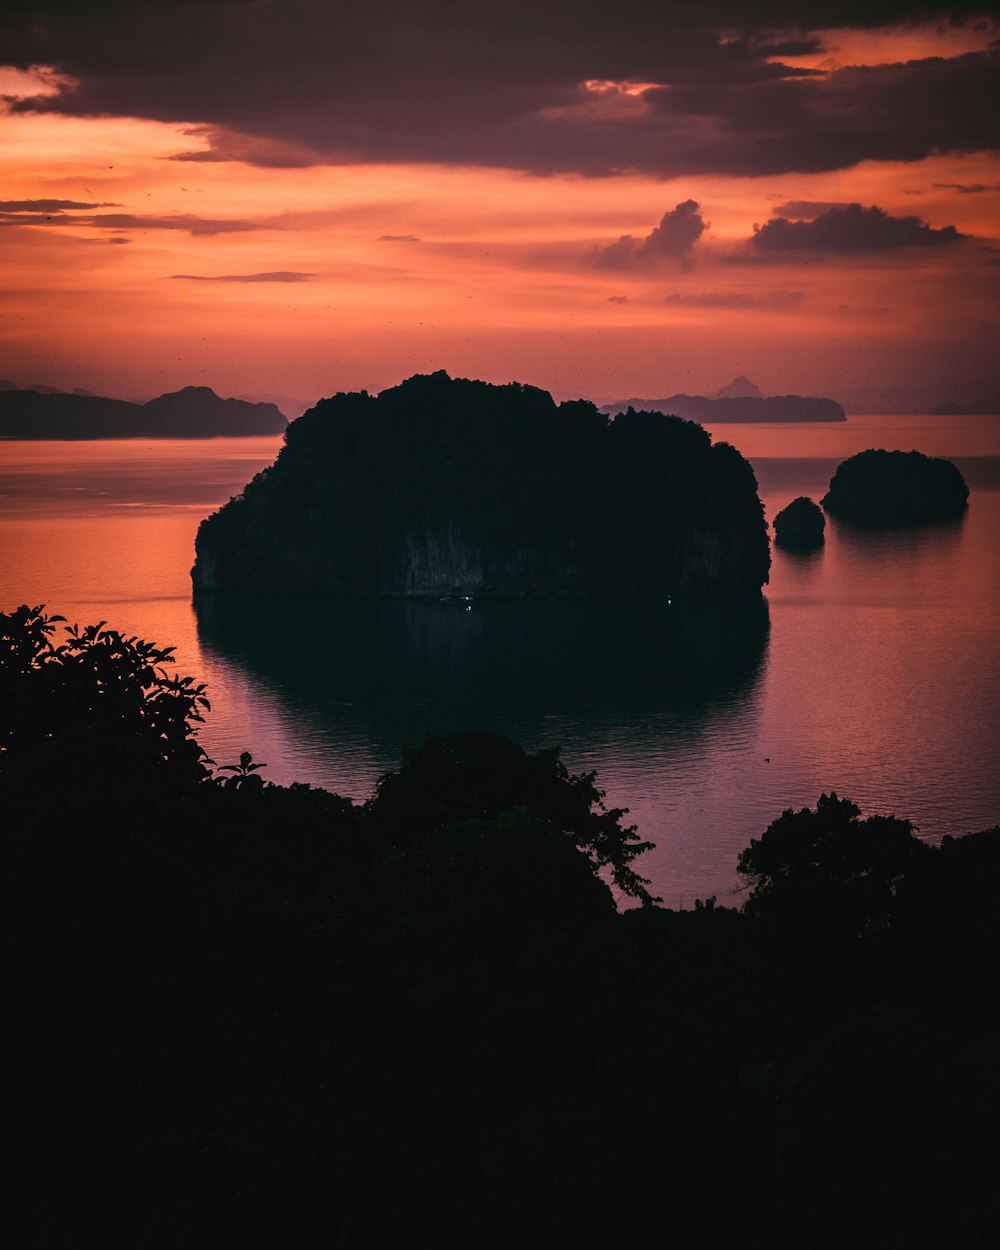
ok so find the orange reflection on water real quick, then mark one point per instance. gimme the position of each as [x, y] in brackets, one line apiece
[836, 440]
[105, 529]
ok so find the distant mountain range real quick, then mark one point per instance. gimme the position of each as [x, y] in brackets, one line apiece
[740, 401]
[193, 412]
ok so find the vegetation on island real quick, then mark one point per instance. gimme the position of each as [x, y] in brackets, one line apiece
[800, 524]
[447, 486]
[256, 1015]
[896, 488]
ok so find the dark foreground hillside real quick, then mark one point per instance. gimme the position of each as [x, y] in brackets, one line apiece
[252, 1015]
[444, 486]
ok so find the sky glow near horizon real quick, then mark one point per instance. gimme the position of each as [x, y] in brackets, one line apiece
[297, 199]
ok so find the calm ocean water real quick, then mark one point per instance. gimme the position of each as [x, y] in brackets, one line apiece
[871, 668]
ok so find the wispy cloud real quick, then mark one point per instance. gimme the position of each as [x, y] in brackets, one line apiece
[174, 221]
[967, 188]
[774, 300]
[47, 206]
[277, 275]
[187, 222]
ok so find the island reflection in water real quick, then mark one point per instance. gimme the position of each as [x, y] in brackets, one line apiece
[629, 688]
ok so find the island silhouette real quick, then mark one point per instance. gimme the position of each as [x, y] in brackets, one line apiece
[445, 487]
[192, 412]
[740, 401]
[800, 525]
[896, 488]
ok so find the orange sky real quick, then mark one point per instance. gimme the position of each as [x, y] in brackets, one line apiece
[131, 272]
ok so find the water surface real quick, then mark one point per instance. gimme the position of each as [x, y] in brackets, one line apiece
[870, 667]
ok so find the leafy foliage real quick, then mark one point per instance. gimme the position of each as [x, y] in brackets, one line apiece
[826, 867]
[245, 774]
[97, 702]
[477, 776]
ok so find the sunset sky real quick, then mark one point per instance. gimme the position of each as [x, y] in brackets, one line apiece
[292, 197]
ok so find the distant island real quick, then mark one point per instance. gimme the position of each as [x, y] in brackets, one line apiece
[193, 412]
[984, 406]
[896, 488]
[970, 398]
[740, 401]
[446, 487]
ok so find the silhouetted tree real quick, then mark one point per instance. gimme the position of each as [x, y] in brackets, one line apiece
[825, 872]
[476, 776]
[96, 702]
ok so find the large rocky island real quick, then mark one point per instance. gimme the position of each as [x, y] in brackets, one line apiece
[192, 412]
[449, 487]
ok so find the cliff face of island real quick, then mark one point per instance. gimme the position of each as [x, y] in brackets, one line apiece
[733, 409]
[442, 487]
[193, 412]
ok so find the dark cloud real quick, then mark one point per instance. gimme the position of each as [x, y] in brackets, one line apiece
[398, 238]
[850, 229]
[773, 300]
[176, 221]
[887, 112]
[806, 210]
[279, 275]
[679, 230]
[39, 219]
[253, 149]
[555, 87]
